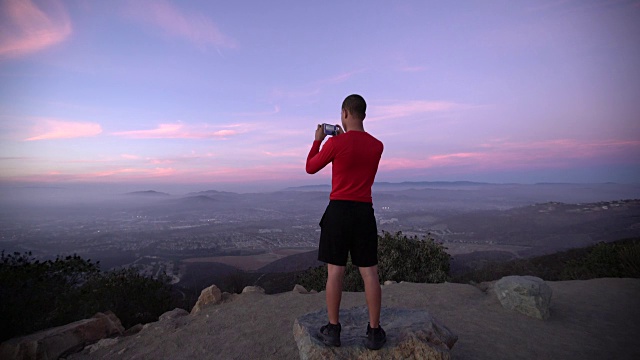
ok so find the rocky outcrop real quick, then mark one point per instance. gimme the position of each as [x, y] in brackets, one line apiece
[56, 342]
[173, 314]
[299, 289]
[528, 295]
[208, 296]
[253, 289]
[411, 334]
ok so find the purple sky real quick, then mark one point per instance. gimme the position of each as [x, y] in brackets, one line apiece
[228, 94]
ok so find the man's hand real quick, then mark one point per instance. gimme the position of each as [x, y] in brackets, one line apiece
[320, 135]
[340, 131]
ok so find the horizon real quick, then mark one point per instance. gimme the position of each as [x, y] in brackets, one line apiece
[184, 189]
[174, 94]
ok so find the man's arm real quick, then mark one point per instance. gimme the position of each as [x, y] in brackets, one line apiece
[318, 159]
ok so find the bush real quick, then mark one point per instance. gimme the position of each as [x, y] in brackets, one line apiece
[132, 297]
[615, 259]
[403, 258]
[400, 258]
[36, 295]
[619, 259]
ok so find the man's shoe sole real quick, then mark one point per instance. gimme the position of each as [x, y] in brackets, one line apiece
[370, 346]
[327, 341]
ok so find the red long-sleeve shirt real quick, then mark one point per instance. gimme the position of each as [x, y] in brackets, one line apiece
[355, 156]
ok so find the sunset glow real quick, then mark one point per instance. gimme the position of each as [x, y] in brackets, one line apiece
[228, 95]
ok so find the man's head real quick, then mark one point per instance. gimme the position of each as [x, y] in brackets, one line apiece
[355, 106]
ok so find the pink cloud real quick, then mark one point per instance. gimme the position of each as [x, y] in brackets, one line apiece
[514, 155]
[217, 174]
[193, 27]
[26, 28]
[408, 108]
[48, 129]
[132, 173]
[182, 131]
[297, 153]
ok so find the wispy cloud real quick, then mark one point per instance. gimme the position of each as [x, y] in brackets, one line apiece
[192, 27]
[47, 129]
[26, 28]
[131, 173]
[340, 78]
[412, 68]
[503, 154]
[312, 89]
[182, 131]
[408, 108]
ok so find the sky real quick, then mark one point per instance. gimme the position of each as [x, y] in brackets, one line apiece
[227, 94]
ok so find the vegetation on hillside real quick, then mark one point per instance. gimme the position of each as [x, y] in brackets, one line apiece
[36, 295]
[400, 258]
[615, 259]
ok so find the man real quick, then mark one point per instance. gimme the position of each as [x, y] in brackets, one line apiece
[348, 225]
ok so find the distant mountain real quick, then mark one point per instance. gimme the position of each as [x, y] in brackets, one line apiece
[147, 193]
[383, 185]
[431, 183]
[309, 188]
[212, 192]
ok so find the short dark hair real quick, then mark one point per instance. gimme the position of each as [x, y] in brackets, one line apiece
[355, 105]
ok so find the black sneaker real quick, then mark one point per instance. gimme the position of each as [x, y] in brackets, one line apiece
[375, 338]
[330, 334]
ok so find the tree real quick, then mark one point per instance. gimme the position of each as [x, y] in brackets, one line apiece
[36, 295]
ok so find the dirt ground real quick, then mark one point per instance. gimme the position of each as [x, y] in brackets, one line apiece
[593, 319]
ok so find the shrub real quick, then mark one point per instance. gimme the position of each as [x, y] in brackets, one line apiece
[132, 297]
[615, 259]
[619, 259]
[403, 258]
[400, 258]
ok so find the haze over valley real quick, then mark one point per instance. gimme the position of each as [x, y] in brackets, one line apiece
[221, 231]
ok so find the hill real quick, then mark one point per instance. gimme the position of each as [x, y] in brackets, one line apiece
[292, 263]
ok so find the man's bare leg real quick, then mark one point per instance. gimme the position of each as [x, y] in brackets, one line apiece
[373, 293]
[335, 277]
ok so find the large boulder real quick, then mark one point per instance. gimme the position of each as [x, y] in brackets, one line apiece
[528, 295]
[411, 334]
[62, 340]
[208, 296]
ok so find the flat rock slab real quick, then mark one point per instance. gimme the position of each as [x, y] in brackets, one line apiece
[411, 334]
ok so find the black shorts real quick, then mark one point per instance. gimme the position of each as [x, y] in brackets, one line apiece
[348, 227]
